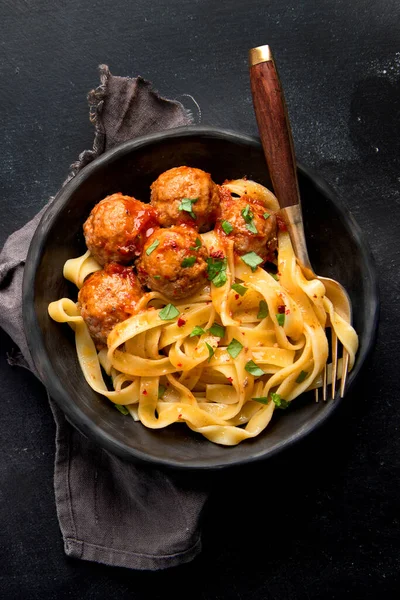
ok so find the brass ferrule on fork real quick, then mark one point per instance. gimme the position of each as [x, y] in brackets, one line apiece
[259, 55]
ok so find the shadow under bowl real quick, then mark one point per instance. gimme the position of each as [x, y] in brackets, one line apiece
[336, 246]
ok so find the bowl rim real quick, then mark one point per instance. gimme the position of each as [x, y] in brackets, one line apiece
[34, 336]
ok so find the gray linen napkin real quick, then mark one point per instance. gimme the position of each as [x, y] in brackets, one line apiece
[109, 510]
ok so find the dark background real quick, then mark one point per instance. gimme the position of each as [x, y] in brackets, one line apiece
[322, 520]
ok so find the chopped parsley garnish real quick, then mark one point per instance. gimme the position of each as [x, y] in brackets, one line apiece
[280, 317]
[197, 244]
[234, 348]
[275, 276]
[220, 279]
[188, 262]
[302, 376]
[249, 218]
[252, 260]
[216, 271]
[262, 399]
[278, 401]
[187, 205]
[227, 227]
[161, 391]
[266, 215]
[122, 409]
[168, 312]
[253, 369]
[262, 310]
[214, 266]
[217, 330]
[157, 276]
[251, 227]
[240, 289]
[247, 214]
[197, 331]
[210, 352]
[152, 247]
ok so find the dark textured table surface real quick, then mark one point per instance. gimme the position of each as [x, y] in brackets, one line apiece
[321, 521]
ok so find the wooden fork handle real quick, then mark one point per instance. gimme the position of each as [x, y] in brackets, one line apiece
[273, 125]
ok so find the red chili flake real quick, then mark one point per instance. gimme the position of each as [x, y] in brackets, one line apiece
[237, 296]
[281, 223]
[180, 416]
[179, 364]
[144, 392]
[281, 309]
[217, 254]
[230, 379]
[315, 296]
[279, 274]
[287, 312]
[181, 322]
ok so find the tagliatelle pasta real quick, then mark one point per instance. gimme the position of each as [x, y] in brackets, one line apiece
[223, 359]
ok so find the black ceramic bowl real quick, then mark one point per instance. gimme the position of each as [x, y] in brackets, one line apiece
[337, 249]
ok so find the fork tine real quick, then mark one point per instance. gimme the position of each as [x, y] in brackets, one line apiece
[334, 361]
[316, 395]
[324, 383]
[345, 367]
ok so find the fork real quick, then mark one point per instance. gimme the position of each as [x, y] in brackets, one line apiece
[276, 138]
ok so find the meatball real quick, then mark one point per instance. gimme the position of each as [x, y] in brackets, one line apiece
[173, 262]
[117, 228]
[249, 224]
[185, 195]
[108, 297]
